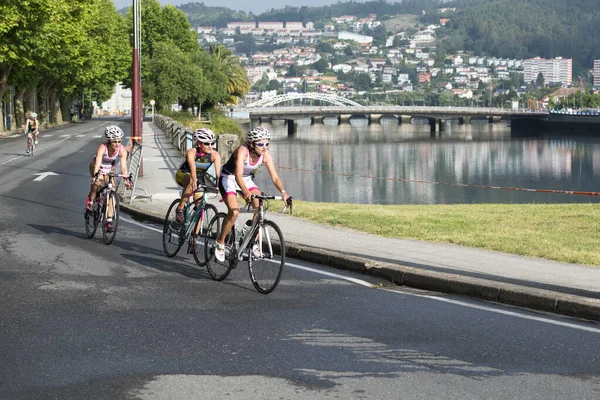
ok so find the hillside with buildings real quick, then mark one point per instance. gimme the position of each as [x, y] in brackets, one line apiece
[357, 55]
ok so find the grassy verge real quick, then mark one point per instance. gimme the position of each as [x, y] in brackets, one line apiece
[562, 232]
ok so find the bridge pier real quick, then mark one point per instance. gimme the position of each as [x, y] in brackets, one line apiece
[464, 121]
[291, 127]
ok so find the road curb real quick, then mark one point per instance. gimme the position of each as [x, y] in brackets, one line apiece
[505, 293]
[398, 274]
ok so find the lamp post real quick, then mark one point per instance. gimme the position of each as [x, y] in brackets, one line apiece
[581, 92]
[136, 84]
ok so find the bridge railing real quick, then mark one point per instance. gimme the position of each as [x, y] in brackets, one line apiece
[431, 111]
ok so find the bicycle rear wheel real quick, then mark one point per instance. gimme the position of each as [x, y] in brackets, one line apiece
[173, 231]
[198, 240]
[91, 220]
[266, 257]
[216, 269]
[109, 236]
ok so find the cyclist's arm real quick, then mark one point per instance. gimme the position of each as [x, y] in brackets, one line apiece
[242, 153]
[99, 155]
[216, 160]
[27, 126]
[268, 160]
[191, 160]
[123, 157]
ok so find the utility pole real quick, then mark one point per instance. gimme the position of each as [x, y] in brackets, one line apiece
[581, 92]
[136, 84]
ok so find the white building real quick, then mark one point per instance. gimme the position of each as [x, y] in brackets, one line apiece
[119, 102]
[596, 72]
[555, 70]
[361, 39]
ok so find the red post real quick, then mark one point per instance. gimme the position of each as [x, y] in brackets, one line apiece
[136, 105]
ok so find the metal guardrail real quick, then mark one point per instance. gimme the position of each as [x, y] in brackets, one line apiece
[179, 135]
[135, 157]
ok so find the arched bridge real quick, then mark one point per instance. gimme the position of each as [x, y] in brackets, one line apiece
[291, 98]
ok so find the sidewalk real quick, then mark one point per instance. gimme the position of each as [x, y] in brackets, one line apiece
[539, 284]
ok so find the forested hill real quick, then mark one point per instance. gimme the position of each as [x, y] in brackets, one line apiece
[501, 28]
[527, 28]
[201, 15]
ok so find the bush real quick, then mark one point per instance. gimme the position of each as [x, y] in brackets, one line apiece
[219, 122]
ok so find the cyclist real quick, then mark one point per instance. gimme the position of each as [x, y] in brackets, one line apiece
[32, 130]
[104, 162]
[237, 174]
[192, 171]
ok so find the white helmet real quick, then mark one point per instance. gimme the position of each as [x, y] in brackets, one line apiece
[258, 133]
[204, 135]
[113, 132]
[33, 115]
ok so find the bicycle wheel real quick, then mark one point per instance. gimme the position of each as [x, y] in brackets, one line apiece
[266, 257]
[173, 231]
[109, 236]
[217, 270]
[202, 227]
[91, 220]
[31, 147]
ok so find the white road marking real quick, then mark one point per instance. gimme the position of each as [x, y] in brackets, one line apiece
[39, 148]
[435, 298]
[42, 175]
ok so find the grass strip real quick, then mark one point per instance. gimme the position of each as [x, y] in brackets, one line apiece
[561, 232]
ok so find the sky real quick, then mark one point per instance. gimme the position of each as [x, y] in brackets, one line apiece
[242, 5]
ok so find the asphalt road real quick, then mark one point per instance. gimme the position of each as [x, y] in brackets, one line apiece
[79, 319]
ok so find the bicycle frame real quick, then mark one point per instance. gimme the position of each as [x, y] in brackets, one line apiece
[257, 222]
[198, 211]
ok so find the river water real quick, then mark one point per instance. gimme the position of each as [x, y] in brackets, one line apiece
[402, 164]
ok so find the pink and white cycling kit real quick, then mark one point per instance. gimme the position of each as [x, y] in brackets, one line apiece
[108, 161]
[227, 183]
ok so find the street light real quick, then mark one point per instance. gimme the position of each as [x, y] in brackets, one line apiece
[581, 92]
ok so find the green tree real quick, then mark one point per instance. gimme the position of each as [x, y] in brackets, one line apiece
[540, 80]
[238, 84]
[322, 65]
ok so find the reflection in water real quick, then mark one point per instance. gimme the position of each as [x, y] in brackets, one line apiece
[325, 162]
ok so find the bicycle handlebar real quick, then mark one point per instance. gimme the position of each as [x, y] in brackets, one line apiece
[113, 175]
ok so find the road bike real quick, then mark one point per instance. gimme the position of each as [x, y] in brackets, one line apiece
[261, 244]
[30, 144]
[197, 213]
[106, 202]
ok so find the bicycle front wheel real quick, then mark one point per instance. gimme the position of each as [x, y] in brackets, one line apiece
[266, 257]
[216, 269]
[173, 231]
[91, 220]
[198, 239]
[112, 208]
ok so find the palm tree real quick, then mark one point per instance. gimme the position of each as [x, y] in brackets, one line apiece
[238, 84]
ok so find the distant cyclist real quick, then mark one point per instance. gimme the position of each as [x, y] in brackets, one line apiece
[237, 174]
[32, 130]
[105, 161]
[193, 170]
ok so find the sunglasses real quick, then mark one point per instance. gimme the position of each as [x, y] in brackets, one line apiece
[115, 141]
[208, 143]
[261, 144]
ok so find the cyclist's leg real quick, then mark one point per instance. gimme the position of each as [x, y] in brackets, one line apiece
[184, 180]
[35, 136]
[111, 206]
[233, 210]
[28, 143]
[93, 186]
